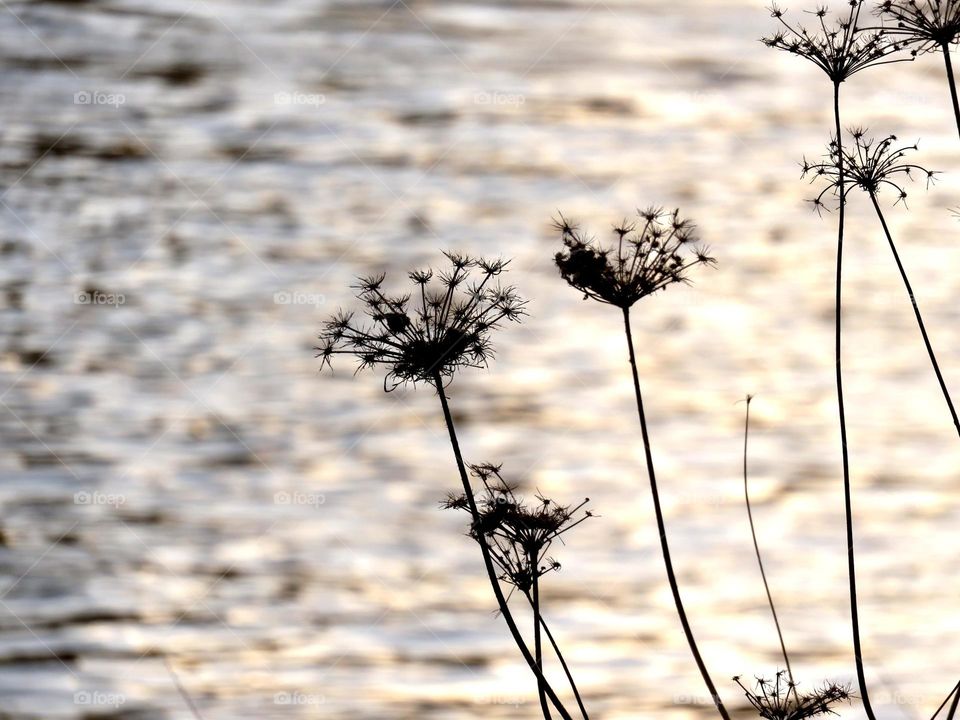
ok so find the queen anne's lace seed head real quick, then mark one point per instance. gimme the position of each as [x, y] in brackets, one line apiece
[780, 699]
[865, 163]
[647, 255]
[442, 326]
[921, 25]
[841, 48]
[518, 533]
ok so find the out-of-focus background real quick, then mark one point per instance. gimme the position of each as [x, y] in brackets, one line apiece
[188, 189]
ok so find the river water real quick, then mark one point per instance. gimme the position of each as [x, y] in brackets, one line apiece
[189, 188]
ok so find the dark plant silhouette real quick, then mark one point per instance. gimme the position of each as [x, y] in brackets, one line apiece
[926, 26]
[427, 336]
[779, 699]
[756, 545]
[872, 165]
[841, 49]
[442, 327]
[648, 255]
[953, 695]
[519, 536]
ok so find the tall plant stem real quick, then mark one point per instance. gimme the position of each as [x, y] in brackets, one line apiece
[916, 311]
[563, 664]
[485, 552]
[945, 701]
[847, 494]
[953, 705]
[756, 547]
[664, 546]
[952, 82]
[537, 643]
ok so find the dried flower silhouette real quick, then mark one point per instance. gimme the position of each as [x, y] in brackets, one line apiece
[519, 536]
[444, 326]
[779, 699]
[873, 165]
[427, 337]
[925, 26]
[840, 49]
[868, 164]
[649, 255]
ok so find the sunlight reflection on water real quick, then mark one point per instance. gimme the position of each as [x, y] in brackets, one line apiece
[179, 481]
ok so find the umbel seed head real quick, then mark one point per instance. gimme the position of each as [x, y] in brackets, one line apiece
[865, 163]
[923, 26]
[841, 48]
[444, 325]
[779, 699]
[648, 254]
[517, 532]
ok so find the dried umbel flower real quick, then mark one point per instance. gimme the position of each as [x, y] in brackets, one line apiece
[443, 326]
[650, 254]
[779, 699]
[923, 26]
[519, 534]
[841, 48]
[868, 164]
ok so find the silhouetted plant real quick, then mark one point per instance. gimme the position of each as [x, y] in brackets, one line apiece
[779, 699]
[872, 165]
[926, 26]
[443, 327]
[649, 255]
[427, 336]
[840, 49]
[519, 536]
[756, 545]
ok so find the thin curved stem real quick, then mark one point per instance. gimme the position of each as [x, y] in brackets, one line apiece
[952, 82]
[661, 528]
[485, 552]
[563, 664]
[756, 547]
[847, 494]
[194, 710]
[537, 643]
[916, 311]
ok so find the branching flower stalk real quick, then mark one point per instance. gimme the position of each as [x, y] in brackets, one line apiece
[871, 166]
[426, 337]
[840, 49]
[649, 255]
[519, 536]
[926, 26]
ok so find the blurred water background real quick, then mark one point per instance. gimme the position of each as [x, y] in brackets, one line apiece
[188, 189]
